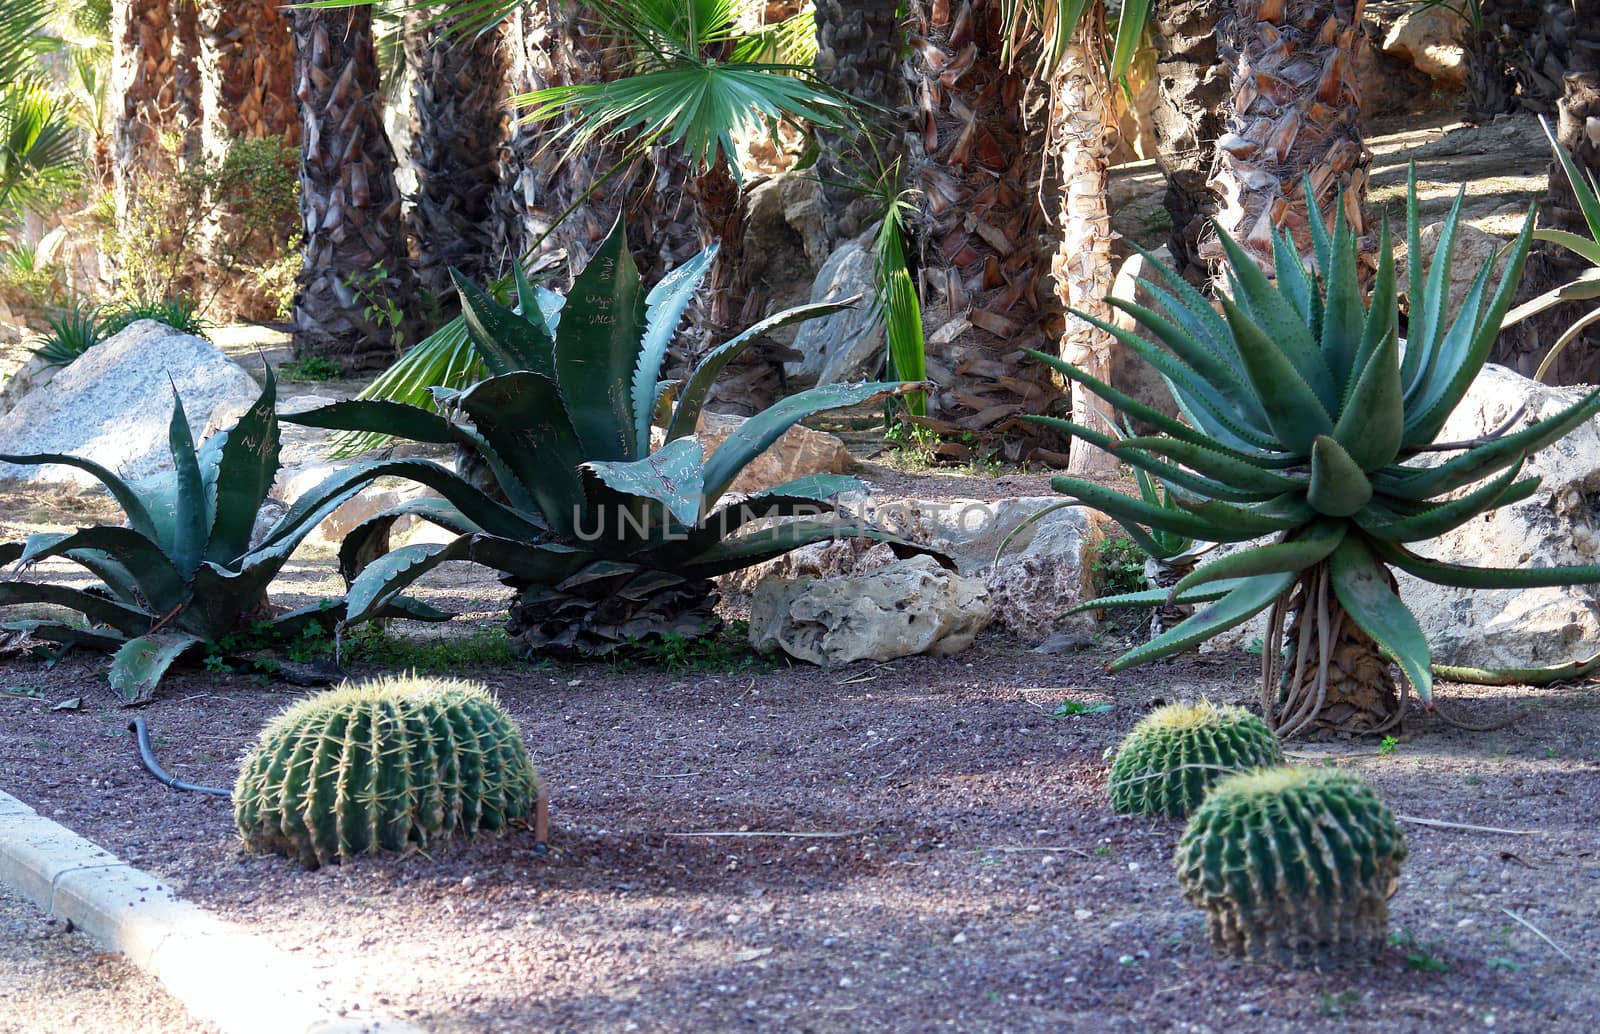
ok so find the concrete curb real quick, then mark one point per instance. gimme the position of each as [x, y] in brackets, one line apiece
[221, 973]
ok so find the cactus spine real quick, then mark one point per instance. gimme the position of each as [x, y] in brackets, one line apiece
[1176, 752]
[386, 765]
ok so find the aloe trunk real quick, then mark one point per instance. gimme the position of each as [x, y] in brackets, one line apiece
[1361, 696]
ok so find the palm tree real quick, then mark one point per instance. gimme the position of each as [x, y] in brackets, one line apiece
[38, 147]
[247, 73]
[155, 76]
[458, 139]
[858, 53]
[1295, 112]
[356, 270]
[1192, 85]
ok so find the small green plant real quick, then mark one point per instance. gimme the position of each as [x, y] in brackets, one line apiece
[378, 305]
[393, 765]
[1501, 962]
[1074, 708]
[1419, 956]
[727, 649]
[1118, 566]
[1474, 779]
[443, 654]
[74, 329]
[1387, 746]
[309, 368]
[1175, 754]
[1335, 1004]
[177, 311]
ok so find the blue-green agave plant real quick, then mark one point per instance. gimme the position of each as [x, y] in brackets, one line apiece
[1310, 425]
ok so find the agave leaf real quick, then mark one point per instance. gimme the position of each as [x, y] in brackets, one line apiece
[1293, 407]
[156, 580]
[522, 417]
[98, 609]
[1450, 515]
[137, 667]
[1363, 590]
[804, 497]
[541, 563]
[325, 614]
[385, 578]
[505, 341]
[1461, 576]
[220, 599]
[1372, 425]
[1249, 598]
[1158, 597]
[692, 399]
[246, 462]
[751, 438]
[1299, 554]
[1338, 486]
[597, 345]
[664, 305]
[67, 635]
[672, 476]
[381, 416]
[9, 551]
[369, 539]
[1264, 308]
[139, 518]
[191, 528]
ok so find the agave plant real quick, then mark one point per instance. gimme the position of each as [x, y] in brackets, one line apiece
[1309, 422]
[185, 572]
[620, 537]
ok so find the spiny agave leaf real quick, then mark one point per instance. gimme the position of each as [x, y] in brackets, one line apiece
[804, 497]
[191, 527]
[538, 563]
[664, 305]
[9, 551]
[325, 614]
[1261, 305]
[221, 599]
[244, 459]
[506, 342]
[686, 417]
[1143, 460]
[413, 609]
[743, 551]
[523, 418]
[1293, 407]
[391, 574]
[67, 635]
[751, 438]
[369, 539]
[673, 476]
[137, 667]
[1461, 576]
[1339, 487]
[161, 585]
[1251, 597]
[1451, 515]
[1372, 426]
[1343, 318]
[597, 346]
[1298, 554]
[380, 416]
[133, 506]
[97, 608]
[1363, 591]
[1158, 597]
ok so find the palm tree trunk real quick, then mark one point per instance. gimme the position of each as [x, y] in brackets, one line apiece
[1082, 266]
[859, 43]
[247, 58]
[1295, 112]
[356, 267]
[154, 85]
[1192, 87]
[458, 139]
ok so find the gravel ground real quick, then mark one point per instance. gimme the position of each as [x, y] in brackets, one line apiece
[55, 981]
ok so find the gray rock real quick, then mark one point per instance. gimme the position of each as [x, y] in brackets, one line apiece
[32, 375]
[113, 405]
[847, 346]
[905, 608]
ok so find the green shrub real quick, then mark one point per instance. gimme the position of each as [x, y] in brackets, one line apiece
[179, 312]
[74, 329]
[392, 765]
[1176, 752]
[1293, 865]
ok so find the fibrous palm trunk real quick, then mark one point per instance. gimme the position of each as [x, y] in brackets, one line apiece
[1192, 87]
[1082, 266]
[356, 267]
[976, 152]
[1515, 60]
[1332, 678]
[458, 141]
[155, 85]
[247, 74]
[1295, 111]
[858, 52]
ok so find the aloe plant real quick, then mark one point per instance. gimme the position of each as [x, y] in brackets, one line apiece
[619, 536]
[187, 570]
[1310, 424]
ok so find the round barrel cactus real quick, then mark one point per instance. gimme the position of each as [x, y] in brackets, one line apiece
[1169, 760]
[1293, 865]
[386, 765]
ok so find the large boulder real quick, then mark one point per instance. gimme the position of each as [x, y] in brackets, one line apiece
[31, 375]
[1433, 39]
[901, 609]
[847, 346]
[113, 404]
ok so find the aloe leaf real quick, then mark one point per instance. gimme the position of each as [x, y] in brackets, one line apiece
[1502, 491]
[1213, 371]
[1249, 598]
[126, 496]
[1191, 309]
[1299, 554]
[1321, 240]
[1338, 486]
[1382, 316]
[191, 528]
[1541, 676]
[523, 418]
[1262, 306]
[161, 584]
[506, 342]
[1130, 513]
[1371, 428]
[1158, 597]
[751, 438]
[597, 346]
[1583, 189]
[137, 667]
[673, 476]
[1426, 326]
[1132, 452]
[1363, 591]
[1585, 288]
[98, 609]
[1432, 375]
[1293, 408]
[1343, 318]
[1291, 274]
[389, 575]
[692, 399]
[664, 307]
[246, 464]
[1253, 474]
[1283, 513]
[1583, 247]
[1461, 576]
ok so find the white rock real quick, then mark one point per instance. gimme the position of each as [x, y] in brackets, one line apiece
[908, 607]
[114, 403]
[847, 346]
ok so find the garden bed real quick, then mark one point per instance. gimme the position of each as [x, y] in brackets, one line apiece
[961, 870]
